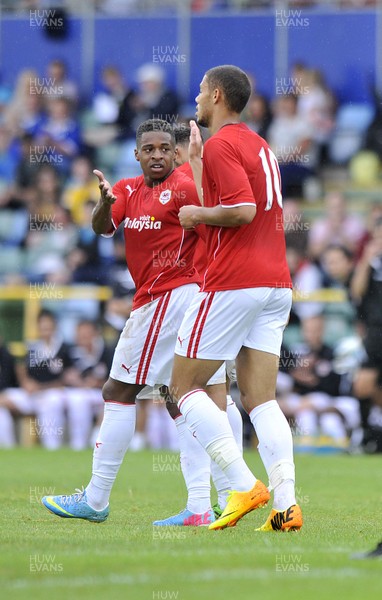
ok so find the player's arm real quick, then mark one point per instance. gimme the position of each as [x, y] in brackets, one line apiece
[361, 277]
[101, 217]
[195, 158]
[219, 216]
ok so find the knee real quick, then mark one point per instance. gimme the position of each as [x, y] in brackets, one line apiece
[118, 392]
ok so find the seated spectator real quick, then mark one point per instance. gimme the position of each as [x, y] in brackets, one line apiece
[59, 83]
[46, 193]
[26, 83]
[8, 379]
[306, 278]
[316, 104]
[296, 225]
[58, 139]
[22, 192]
[92, 258]
[338, 266]
[366, 290]
[258, 114]
[118, 308]
[81, 188]
[112, 111]
[41, 377]
[374, 212]
[291, 139]
[48, 242]
[320, 402]
[8, 163]
[91, 361]
[154, 100]
[337, 226]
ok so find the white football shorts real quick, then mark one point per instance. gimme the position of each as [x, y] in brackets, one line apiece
[217, 324]
[145, 351]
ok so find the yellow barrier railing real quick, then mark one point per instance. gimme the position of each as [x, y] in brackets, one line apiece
[34, 294]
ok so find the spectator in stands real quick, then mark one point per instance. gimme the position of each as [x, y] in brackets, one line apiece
[258, 114]
[307, 278]
[26, 85]
[321, 402]
[59, 136]
[291, 139]
[316, 105]
[8, 163]
[91, 361]
[21, 192]
[338, 266]
[7, 380]
[80, 189]
[373, 213]
[59, 83]
[113, 110]
[49, 240]
[46, 190]
[366, 291]
[296, 225]
[154, 100]
[41, 377]
[118, 308]
[337, 226]
[92, 258]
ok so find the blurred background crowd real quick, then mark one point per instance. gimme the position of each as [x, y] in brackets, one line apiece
[54, 360]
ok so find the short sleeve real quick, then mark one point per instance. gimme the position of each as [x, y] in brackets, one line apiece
[223, 167]
[118, 209]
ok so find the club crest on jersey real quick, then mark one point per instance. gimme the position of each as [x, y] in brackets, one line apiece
[165, 196]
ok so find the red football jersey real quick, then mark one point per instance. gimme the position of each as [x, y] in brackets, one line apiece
[239, 169]
[200, 256]
[159, 252]
[186, 169]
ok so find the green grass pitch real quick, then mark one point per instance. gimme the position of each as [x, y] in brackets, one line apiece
[45, 557]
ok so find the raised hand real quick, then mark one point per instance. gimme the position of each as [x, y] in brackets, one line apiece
[196, 143]
[105, 188]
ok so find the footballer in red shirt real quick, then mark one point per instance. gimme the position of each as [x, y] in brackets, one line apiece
[159, 255]
[245, 301]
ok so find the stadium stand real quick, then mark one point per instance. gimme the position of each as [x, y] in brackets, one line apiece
[53, 133]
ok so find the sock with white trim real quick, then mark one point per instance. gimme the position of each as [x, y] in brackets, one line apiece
[114, 437]
[276, 451]
[211, 427]
[195, 464]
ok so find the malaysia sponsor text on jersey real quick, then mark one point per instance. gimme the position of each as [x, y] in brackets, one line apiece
[143, 222]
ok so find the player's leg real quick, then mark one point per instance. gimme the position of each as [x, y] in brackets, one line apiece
[211, 428]
[257, 376]
[216, 325]
[220, 481]
[117, 429]
[113, 440]
[195, 464]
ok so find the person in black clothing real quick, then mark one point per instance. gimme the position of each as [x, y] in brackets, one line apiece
[153, 100]
[320, 399]
[41, 378]
[91, 361]
[7, 380]
[366, 290]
